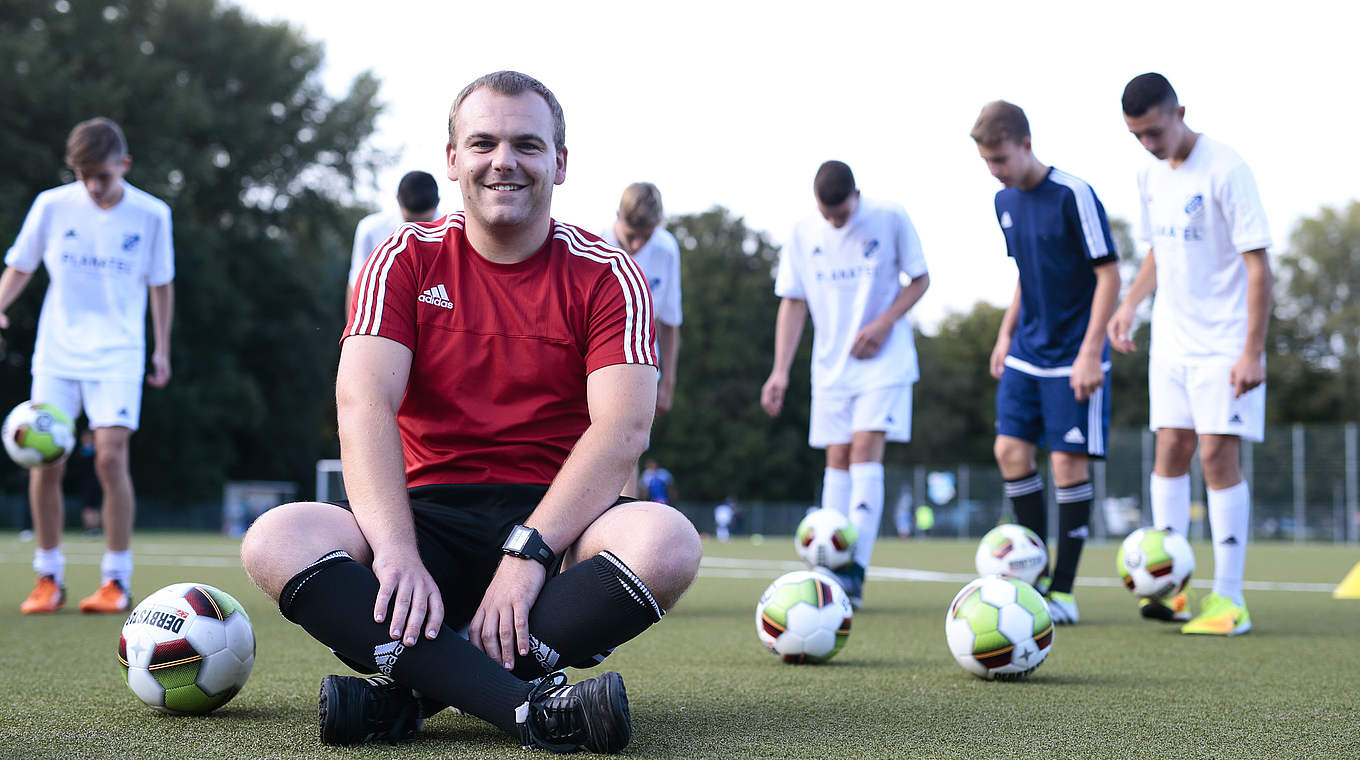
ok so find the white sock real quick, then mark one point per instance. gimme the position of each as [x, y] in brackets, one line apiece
[836, 490]
[50, 562]
[117, 566]
[1171, 503]
[1229, 521]
[866, 498]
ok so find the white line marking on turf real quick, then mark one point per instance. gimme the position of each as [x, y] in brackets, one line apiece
[731, 567]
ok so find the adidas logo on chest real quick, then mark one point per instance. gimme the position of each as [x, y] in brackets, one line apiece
[436, 296]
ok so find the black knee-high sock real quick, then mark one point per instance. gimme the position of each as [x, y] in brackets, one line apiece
[1027, 501]
[586, 611]
[333, 600]
[1074, 516]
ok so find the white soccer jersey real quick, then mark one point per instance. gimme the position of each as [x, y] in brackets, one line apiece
[659, 259]
[848, 277]
[371, 230]
[1199, 219]
[99, 265]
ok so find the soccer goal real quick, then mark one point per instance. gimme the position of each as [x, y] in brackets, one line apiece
[330, 481]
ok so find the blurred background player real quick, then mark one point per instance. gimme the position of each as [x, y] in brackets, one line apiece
[1206, 233]
[1051, 356]
[417, 201]
[844, 267]
[639, 231]
[105, 244]
[656, 483]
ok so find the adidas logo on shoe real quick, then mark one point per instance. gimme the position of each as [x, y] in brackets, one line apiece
[436, 296]
[1074, 436]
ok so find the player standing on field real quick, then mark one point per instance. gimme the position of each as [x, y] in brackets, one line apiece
[1051, 357]
[495, 390]
[1206, 233]
[417, 201]
[106, 245]
[844, 266]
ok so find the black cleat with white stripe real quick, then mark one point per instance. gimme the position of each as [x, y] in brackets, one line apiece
[591, 715]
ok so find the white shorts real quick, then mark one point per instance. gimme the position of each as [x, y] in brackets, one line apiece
[835, 416]
[107, 403]
[1199, 397]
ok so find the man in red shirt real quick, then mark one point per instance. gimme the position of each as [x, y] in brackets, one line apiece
[496, 384]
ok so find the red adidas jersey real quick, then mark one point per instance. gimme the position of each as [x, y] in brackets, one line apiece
[497, 391]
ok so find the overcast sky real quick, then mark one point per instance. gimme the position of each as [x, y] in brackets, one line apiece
[737, 103]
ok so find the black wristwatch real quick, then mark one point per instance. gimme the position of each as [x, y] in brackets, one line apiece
[525, 543]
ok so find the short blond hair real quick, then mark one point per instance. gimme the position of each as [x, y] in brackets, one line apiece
[1000, 122]
[93, 142]
[640, 207]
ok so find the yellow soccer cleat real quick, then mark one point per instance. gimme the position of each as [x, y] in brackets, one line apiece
[110, 598]
[48, 596]
[1221, 616]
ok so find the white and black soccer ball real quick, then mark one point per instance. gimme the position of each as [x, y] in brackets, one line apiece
[1014, 550]
[1155, 563]
[826, 538]
[188, 648]
[804, 617]
[37, 435]
[998, 628]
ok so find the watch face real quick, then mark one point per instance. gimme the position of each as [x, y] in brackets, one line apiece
[518, 538]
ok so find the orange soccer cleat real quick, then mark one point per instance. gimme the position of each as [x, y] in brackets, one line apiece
[109, 598]
[48, 596]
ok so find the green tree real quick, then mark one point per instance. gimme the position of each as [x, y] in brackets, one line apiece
[228, 123]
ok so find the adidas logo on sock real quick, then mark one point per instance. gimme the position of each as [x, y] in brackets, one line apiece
[1074, 436]
[1229, 541]
[862, 506]
[1236, 419]
[436, 296]
[385, 655]
[1083, 533]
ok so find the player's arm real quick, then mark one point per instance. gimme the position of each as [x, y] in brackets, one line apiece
[1249, 371]
[997, 363]
[872, 336]
[369, 387]
[621, 399]
[162, 316]
[12, 283]
[788, 330]
[1087, 374]
[668, 343]
[1120, 328]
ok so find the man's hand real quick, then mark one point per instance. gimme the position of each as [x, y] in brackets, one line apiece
[1120, 330]
[665, 393]
[4, 325]
[1247, 373]
[772, 394]
[1087, 376]
[870, 339]
[160, 370]
[501, 626]
[403, 580]
[997, 364]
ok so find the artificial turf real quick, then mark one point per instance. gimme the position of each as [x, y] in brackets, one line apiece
[701, 686]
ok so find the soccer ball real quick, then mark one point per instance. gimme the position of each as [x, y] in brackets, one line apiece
[1014, 550]
[1155, 563]
[999, 628]
[826, 538]
[187, 648]
[804, 616]
[38, 434]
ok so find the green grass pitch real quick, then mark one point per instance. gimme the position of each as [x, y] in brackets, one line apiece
[701, 686]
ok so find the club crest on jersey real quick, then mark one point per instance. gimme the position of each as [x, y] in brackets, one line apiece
[1006, 222]
[870, 247]
[131, 240]
[1194, 206]
[654, 283]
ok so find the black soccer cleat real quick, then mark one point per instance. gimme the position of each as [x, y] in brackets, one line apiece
[591, 715]
[354, 710]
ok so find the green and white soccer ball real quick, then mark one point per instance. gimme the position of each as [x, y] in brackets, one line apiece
[1014, 550]
[1155, 563]
[826, 538]
[804, 616]
[999, 628]
[38, 434]
[187, 648]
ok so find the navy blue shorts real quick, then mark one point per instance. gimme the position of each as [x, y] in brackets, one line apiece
[1044, 411]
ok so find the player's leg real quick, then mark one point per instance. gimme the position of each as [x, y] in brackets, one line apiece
[114, 409]
[829, 428]
[1172, 417]
[313, 559]
[1019, 426]
[47, 505]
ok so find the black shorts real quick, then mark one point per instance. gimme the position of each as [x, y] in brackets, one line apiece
[459, 532]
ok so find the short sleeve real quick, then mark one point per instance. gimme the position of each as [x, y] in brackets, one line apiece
[912, 260]
[385, 295]
[1086, 221]
[162, 270]
[1144, 236]
[26, 253]
[788, 281]
[1242, 209]
[619, 326]
[669, 310]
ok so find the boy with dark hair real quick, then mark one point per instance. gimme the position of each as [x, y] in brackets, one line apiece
[417, 201]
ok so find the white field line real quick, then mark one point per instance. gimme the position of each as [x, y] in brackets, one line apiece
[728, 567]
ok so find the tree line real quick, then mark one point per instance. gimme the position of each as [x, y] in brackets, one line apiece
[229, 124]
